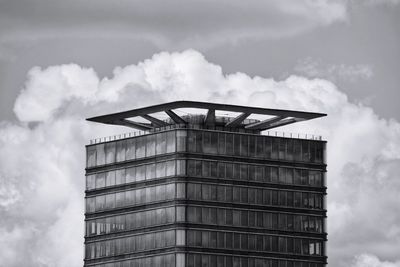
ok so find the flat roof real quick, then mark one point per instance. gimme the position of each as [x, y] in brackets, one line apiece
[280, 117]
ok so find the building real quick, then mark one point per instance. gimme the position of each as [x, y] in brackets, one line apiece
[205, 190]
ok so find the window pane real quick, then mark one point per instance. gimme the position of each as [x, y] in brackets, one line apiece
[181, 140]
[90, 182]
[130, 148]
[150, 145]
[110, 152]
[171, 142]
[141, 147]
[100, 154]
[100, 180]
[91, 156]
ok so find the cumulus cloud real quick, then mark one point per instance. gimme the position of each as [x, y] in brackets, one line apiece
[340, 72]
[42, 166]
[367, 260]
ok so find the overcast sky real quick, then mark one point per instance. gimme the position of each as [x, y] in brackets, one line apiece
[63, 61]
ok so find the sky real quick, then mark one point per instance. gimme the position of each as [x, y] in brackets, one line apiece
[64, 61]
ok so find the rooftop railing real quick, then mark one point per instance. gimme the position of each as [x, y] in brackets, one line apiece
[196, 126]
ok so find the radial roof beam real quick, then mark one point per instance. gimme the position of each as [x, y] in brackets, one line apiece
[263, 124]
[175, 117]
[133, 124]
[154, 121]
[210, 117]
[282, 123]
[115, 118]
[238, 120]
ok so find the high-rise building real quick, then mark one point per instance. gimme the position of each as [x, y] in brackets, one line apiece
[205, 190]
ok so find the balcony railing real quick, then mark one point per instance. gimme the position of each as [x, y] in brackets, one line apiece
[196, 126]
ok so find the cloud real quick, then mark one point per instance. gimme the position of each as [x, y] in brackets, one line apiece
[341, 72]
[42, 166]
[171, 24]
[367, 260]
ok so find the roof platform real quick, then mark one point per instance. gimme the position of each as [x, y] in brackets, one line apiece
[276, 117]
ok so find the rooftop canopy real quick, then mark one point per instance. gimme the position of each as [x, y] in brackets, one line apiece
[276, 117]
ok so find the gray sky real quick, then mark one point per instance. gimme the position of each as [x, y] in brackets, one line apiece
[259, 39]
[338, 57]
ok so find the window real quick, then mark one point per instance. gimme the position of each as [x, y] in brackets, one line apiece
[100, 155]
[130, 151]
[91, 156]
[110, 152]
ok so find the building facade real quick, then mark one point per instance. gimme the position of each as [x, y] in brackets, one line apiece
[205, 191]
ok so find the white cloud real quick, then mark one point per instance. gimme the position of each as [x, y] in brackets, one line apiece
[42, 166]
[367, 260]
[334, 72]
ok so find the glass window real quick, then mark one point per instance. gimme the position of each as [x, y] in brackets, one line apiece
[141, 147]
[297, 150]
[221, 143]
[120, 150]
[275, 148]
[91, 156]
[243, 171]
[282, 148]
[180, 167]
[213, 168]
[110, 178]
[229, 144]
[304, 177]
[180, 214]
[180, 237]
[90, 182]
[221, 169]
[100, 202]
[198, 168]
[171, 140]
[90, 204]
[130, 148]
[259, 146]
[252, 146]
[130, 175]
[100, 180]
[289, 176]
[110, 201]
[274, 174]
[160, 169]
[244, 145]
[161, 143]
[305, 150]
[140, 173]
[229, 240]
[181, 140]
[282, 175]
[180, 190]
[289, 149]
[100, 155]
[210, 142]
[170, 191]
[243, 195]
[120, 176]
[150, 145]
[150, 171]
[110, 152]
[319, 153]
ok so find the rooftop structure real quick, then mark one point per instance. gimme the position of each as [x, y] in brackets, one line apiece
[277, 117]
